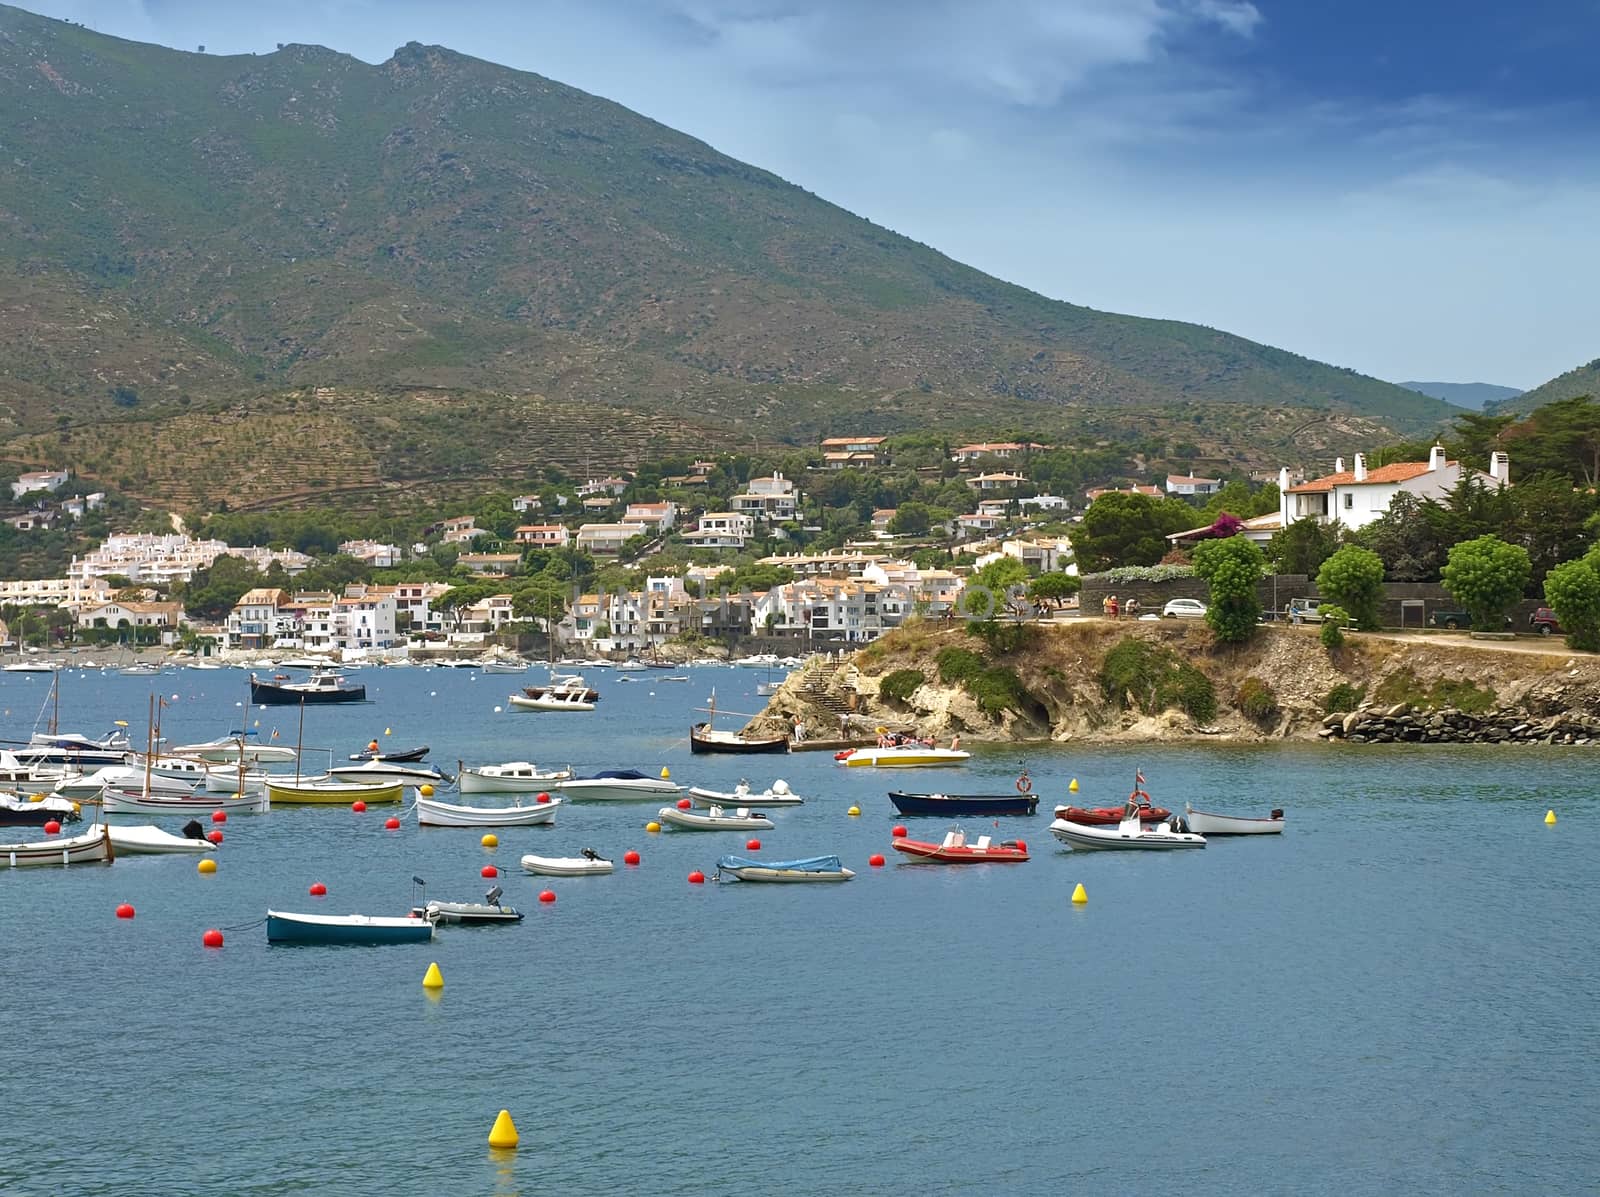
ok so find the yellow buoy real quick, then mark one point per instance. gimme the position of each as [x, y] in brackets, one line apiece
[433, 978]
[1080, 895]
[504, 1133]
[853, 811]
[665, 773]
[207, 866]
[388, 732]
[425, 790]
[1074, 786]
[490, 841]
[1549, 817]
[652, 826]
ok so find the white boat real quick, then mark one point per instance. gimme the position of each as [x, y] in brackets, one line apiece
[551, 702]
[715, 819]
[759, 661]
[468, 913]
[432, 813]
[1128, 834]
[30, 667]
[618, 785]
[124, 778]
[631, 665]
[502, 665]
[778, 794]
[141, 669]
[227, 749]
[144, 839]
[117, 801]
[512, 777]
[93, 845]
[229, 780]
[591, 863]
[1202, 823]
[382, 772]
[815, 868]
[901, 756]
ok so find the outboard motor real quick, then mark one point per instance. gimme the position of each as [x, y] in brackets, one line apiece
[193, 831]
[493, 896]
[591, 854]
[1277, 813]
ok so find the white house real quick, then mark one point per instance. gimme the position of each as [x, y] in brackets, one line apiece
[1000, 449]
[379, 556]
[607, 538]
[1043, 502]
[721, 530]
[363, 618]
[602, 486]
[772, 499]
[544, 536]
[1186, 484]
[37, 480]
[971, 525]
[415, 600]
[1358, 496]
[994, 507]
[656, 516]
[259, 618]
[134, 615]
[525, 503]
[459, 529]
[1000, 481]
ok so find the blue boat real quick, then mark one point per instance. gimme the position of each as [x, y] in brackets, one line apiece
[286, 927]
[812, 868]
[964, 805]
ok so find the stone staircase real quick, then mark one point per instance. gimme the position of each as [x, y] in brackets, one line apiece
[817, 686]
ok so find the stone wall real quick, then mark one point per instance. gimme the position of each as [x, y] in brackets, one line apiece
[1400, 725]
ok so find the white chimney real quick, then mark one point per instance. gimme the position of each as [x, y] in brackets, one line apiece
[1338, 465]
[1500, 467]
[1361, 467]
[1436, 458]
[1283, 479]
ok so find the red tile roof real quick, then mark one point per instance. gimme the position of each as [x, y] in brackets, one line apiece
[1400, 471]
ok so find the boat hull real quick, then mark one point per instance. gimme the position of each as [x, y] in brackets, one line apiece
[138, 840]
[953, 805]
[1080, 836]
[1202, 823]
[901, 758]
[784, 876]
[268, 694]
[961, 853]
[749, 798]
[566, 866]
[388, 773]
[476, 781]
[469, 914]
[704, 740]
[449, 814]
[132, 803]
[686, 820]
[644, 790]
[1109, 816]
[360, 929]
[92, 846]
[332, 794]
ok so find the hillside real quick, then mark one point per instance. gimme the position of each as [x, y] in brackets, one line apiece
[1581, 380]
[182, 230]
[1473, 395]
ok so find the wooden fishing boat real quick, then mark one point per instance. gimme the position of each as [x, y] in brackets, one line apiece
[814, 868]
[590, 864]
[287, 927]
[1204, 823]
[715, 819]
[964, 805]
[778, 794]
[92, 845]
[954, 849]
[512, 777]
[433, 813]
[143, 802]
[320, 688]
[704, 738]
[331, 793]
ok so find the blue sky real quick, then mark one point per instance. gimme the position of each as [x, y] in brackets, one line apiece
[1409, 188]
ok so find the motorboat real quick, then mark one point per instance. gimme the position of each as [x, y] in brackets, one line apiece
[286, 927]
[1110, 816]
[331, 793]
[512, 777]
[92, 845]
[954, 849]
[704, 738]
[503, 665]
[228, 749]
[17, 811]
[472, 914]
[144, 839]
[901, 756]
[401, 756]
[1203, 823]
[591, 863]
[75, 750]
[715, 818]
[140, 669]
[31, 667]
[618, 785]
[140, 802]
[964, 805]
[759, 661]
[321, 687]
[631, 665]
[1131, 833]
[813, 868]
[778, 794]
[551, 701]
[433, 813]
[381, 772]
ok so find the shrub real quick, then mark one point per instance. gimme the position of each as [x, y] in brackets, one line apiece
[1256, 701]
[900, 685]
[1233, 566]
[998, 689]
[1002, 638]
[1486, 576]
[1124, 574]
[1157, 679]
[1573, 592]
[1334, 619]
[1353, 578]
[1343, 697]
[956, 665]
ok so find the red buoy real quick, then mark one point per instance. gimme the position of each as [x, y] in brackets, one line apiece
[488, 871]
[214, 836]
[125, 911]
[684, 804]
[547, 896]
[697, 878]
[899, 831]
[212, 938]
[392, 823]
[630, 857]
[876, 861]
[52, 828]
[318, 890]
[358, 806]
[752, 845]
[543, 797]
[219, 816]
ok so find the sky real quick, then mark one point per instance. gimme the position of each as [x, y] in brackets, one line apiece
[1410, 188]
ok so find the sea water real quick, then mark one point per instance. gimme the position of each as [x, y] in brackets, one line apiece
[1397, 995]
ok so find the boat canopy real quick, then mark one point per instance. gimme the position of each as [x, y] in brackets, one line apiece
[811, 864]
[619, 775]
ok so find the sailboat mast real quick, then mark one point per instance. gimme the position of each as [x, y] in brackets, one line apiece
[149, 744]
[299, 739]
[55, 709]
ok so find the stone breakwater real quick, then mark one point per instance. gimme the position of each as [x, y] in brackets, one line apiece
[1401, 725]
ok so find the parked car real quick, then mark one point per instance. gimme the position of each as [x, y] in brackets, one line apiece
[1183, 609]
[1303, 610]
[1455, 619]
[1544, 622]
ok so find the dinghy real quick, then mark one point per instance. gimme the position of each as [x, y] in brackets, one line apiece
[1202, 823]
[715, 819]
[1131, 833]
[814, 868]
[468, 913]
[591, 863]
[433, 813]
[966, 805]
[954, 849]
[402, 755]
[144, 839]
[778, 794]
[287, 927]
[93, 845]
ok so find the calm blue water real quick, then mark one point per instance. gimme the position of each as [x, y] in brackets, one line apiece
[1398, 995]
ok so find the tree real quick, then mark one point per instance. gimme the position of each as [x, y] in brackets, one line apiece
[1411, 538]
[1302, 547]
[1127, 529]
[1234, 567]
[1487, 575]
[1573, 592]
[1353, 578]
[1550, 518]
[212, 592]
[1001, 575]
[1053, 589]
[911, 519]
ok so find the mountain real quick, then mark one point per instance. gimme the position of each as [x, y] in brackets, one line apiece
[1581, 380]
[437, 266]
[1472, 395]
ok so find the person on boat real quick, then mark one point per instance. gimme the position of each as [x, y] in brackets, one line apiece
[373, 747]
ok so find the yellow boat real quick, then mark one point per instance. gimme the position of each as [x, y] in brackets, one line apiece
[900, 757]
[331, 793]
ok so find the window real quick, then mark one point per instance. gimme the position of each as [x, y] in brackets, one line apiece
[1349, 501]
